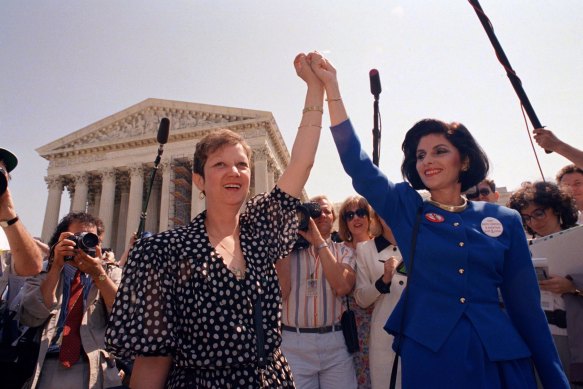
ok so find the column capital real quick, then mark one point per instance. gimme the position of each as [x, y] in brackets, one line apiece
[107, 174]
[261, 154]
[136, 170]
[80, 177]
[55, 182]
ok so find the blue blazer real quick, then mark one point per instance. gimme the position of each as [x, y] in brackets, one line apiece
[461, 261]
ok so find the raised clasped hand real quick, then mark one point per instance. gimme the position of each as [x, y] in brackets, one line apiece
[304, 70]
[322, 68]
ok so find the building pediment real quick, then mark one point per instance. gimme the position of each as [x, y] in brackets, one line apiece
[137, 126]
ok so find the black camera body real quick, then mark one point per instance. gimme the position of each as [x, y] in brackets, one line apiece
[86, 241]
[305, 212]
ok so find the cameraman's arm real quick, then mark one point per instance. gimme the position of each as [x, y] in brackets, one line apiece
[26, 256]
[64, 247]
[283, 268]
[339, 275]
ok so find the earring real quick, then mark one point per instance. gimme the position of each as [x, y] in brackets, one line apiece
[201, 195]
[465, 167]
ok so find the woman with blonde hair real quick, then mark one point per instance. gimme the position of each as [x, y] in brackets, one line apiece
[354, 227]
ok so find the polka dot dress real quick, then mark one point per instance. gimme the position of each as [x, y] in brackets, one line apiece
[178, 298]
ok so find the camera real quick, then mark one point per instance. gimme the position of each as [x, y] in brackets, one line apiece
[3, 181]
[305, 212]
[86, 241]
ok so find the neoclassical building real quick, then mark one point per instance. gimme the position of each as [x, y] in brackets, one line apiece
[106, 167]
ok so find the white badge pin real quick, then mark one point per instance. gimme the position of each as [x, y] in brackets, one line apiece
[492, 227]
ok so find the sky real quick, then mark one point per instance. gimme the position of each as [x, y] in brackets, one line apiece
[65, 65]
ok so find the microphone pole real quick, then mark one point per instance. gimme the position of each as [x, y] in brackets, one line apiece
[375, 89]
[510, 73]
[162, 138]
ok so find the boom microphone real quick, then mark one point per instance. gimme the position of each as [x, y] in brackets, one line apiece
[375, 83]
[163, 131]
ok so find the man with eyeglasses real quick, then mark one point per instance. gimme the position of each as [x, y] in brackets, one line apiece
[313, 282]
[484, 191]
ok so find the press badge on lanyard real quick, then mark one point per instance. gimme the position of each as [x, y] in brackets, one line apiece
[313, 283]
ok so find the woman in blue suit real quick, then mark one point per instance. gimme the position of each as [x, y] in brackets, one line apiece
[452, 331]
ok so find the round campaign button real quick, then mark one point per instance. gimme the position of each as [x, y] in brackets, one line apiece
[492, 227]
[434, 217]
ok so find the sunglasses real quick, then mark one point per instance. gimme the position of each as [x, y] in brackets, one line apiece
[360, 212]
[537, 214]
[478, 193]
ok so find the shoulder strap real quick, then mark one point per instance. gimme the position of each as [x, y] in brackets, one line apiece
[393, 382]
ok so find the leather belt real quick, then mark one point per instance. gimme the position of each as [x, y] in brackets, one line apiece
[557, 317]
[315, 330]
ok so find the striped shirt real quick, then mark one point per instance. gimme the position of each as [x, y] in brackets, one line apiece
[311, 302]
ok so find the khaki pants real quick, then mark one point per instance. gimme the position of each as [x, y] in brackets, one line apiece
[56, 376]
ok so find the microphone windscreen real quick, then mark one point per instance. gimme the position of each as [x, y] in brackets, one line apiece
[375, 82]
[163, 131]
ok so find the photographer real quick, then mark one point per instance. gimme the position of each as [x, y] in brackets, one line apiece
[313, 282]
[26, 259]
[72, 301]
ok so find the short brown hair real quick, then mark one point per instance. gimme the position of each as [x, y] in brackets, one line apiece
[214, 141]
[569, 169]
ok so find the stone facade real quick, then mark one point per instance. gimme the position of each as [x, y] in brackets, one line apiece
[107, 166]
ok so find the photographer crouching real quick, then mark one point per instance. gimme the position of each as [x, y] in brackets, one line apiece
[313, 281]
[72, 301]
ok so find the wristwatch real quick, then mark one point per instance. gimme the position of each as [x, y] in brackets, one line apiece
[7, 223]
[102, 277]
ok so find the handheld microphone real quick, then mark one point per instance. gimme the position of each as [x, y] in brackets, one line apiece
[162, 137]
[375, 83]
[163, 131]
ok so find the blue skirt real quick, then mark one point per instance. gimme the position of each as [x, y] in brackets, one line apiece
[461, 363]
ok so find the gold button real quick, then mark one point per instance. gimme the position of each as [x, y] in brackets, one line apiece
[456, 224]
[461, 244]
[462, 300]
[461, 271]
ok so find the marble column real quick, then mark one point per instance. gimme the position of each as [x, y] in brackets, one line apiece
[79, 203]
[135, 199]
[165, 171]
[55, 187]
[270, 178]
[260, 157]
[107, 203]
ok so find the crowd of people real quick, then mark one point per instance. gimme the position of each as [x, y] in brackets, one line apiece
[442, 288]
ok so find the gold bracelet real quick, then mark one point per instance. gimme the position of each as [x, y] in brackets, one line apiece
[318, 108]
[309, 125]
[331, 100]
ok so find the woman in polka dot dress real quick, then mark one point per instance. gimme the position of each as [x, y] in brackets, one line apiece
[186, 308]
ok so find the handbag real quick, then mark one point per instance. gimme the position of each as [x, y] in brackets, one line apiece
[348, 323]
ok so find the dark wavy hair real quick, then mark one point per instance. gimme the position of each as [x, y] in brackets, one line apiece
[463, 141]
[80, 217]
[545, 195]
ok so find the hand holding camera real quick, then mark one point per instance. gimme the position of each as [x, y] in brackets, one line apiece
[81, 250]
[307, 212]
